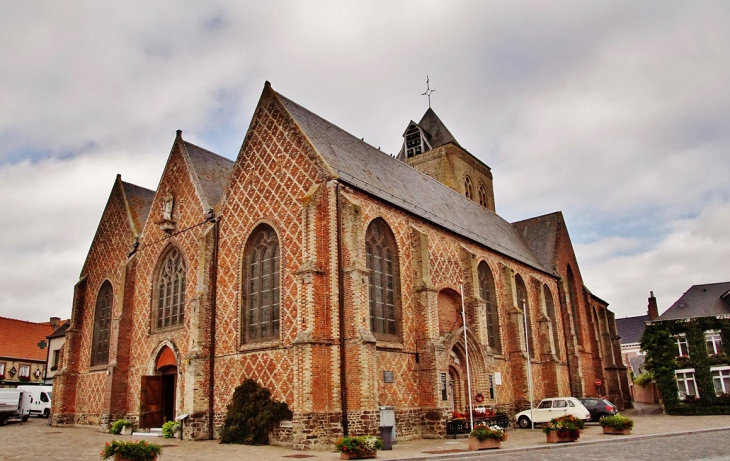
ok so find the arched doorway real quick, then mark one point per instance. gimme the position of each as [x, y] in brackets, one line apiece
[157, 398]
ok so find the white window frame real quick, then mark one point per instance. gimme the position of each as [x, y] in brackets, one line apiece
[2, 368]
[713, 337]
[20, 371]
[684, 379]
[682, 340]
[724, 372]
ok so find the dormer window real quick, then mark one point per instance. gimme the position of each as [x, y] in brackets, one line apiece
[414, 142]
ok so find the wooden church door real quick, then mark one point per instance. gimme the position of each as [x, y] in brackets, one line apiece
[151, 402]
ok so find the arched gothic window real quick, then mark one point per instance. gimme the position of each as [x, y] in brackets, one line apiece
[550, 306]
[102, 323]
[524, 304]
[487, 293]
[483, 196]
[382, 262]
[261, 285]
[171, 291]
[413, 142]
[574, 305]
[468, 188]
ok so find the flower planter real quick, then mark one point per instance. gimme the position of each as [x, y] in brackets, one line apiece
[611, 430]
[127, 430]
[486, 444]
[372, 454]
[552, 437]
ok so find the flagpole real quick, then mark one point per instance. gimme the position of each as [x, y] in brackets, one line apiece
[466, 351]
[529, 364]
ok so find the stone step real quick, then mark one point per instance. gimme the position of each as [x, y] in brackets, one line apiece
[151, 433]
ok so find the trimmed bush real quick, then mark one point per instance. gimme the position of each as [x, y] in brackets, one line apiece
[252, 414]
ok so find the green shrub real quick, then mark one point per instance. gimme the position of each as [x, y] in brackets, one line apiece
[359, 446]
[617, 422]
[169, 428]
[251, 415]
[133, 450]
[118, 425]
[644, 379]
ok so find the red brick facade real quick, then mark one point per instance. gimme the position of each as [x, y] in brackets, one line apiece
[325, 360]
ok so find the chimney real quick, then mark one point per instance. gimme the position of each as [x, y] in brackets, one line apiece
[55, 322]
[652, 310]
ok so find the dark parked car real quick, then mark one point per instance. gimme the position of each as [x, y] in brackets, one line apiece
[598, 408]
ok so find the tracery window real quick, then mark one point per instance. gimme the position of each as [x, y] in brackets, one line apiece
[468, 188]
[550, 306]
[382, 263]
[262, 285]
[574, 305]
[524, 304]
[487, 293]
[483, 196]
[171, 291]
[102, 321]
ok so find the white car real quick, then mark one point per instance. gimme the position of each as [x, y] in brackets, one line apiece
[552, 408]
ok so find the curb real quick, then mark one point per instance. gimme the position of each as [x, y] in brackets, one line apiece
[552, 446]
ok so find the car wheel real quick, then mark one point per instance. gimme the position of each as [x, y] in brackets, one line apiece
[3, 418]
[46, 413]
[523, 422]
[24, 418]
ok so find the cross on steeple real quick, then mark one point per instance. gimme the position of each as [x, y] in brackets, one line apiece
[428, 92]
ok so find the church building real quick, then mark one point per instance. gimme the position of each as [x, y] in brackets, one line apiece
[334, 275]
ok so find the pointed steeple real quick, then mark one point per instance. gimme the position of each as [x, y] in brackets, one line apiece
[438, 134]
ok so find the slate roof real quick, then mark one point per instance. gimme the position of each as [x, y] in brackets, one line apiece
[367, 168]
[140, 202]
[60, 331]
[541, 234]
[631, 328]
[700, 301]
[19, 339]
[212, 172]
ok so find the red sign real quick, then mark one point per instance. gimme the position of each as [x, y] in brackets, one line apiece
[598, 382]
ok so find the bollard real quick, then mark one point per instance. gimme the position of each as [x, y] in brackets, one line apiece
[386, 433]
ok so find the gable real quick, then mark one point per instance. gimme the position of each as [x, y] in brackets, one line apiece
[115, 233]
[541, 234]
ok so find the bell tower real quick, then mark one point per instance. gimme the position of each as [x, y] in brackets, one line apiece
[429, 147]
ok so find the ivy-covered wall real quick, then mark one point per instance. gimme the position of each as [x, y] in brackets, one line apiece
[660, 344]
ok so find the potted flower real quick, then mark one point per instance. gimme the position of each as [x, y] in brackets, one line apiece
[364, 446]
[171, 429]
[486, 437]
[131, 450]
[123, 427]
[616, 424]
[563, 429]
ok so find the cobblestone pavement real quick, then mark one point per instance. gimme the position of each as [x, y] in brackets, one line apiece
[36, 440]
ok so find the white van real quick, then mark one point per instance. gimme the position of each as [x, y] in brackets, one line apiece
[14, 404]
[40, 399]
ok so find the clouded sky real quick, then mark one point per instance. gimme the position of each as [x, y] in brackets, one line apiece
[616, 113]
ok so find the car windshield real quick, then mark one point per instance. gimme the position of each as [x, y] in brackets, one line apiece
[608, 403]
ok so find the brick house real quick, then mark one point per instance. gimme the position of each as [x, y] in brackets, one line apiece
[22, 360]
[334, 275]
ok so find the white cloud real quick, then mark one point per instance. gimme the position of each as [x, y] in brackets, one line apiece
[613, 112]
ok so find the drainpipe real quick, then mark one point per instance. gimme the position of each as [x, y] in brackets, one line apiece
[214, 276]
[341, 294]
